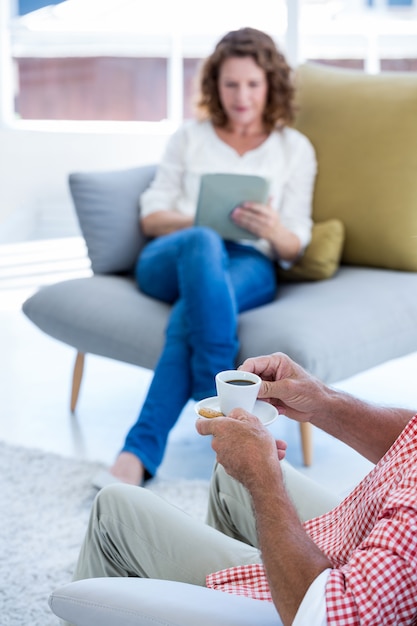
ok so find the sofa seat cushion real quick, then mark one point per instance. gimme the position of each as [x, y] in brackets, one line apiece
[335, 328]
[364, 130]
[114, 318]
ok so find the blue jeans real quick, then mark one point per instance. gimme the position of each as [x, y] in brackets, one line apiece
[208, 281]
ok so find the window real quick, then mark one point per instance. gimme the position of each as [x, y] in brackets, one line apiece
[127, 60]
[121, 60]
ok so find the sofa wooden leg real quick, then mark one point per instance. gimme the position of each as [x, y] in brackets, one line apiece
[76, 379]
[306, 432]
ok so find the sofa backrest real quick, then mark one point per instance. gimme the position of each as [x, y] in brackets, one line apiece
[364, 130]
[107, 207]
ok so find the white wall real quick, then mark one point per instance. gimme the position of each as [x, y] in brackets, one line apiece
[34, 167]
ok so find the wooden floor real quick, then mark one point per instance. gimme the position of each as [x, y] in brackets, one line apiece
[35, 375]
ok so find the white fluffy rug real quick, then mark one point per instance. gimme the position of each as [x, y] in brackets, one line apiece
[45, 503]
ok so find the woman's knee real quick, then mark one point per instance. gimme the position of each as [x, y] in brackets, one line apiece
[205, 240]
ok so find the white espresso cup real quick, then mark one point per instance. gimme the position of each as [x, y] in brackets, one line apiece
[237, 389]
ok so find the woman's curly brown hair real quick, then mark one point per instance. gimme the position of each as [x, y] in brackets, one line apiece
[248, 42]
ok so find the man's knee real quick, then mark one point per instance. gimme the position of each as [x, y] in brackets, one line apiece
[121, 500]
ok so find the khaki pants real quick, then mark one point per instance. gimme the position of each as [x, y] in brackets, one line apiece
[133, 532]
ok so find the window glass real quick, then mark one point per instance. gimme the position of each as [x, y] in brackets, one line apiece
[92, 88]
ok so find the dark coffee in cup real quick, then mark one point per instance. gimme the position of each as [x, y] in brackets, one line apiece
[240, 382]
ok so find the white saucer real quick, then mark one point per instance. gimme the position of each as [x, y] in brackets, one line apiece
[266, 412]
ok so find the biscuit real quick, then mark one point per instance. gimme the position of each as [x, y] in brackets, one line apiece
[205, 412]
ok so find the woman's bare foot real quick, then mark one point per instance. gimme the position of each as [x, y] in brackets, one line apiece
[128, 469]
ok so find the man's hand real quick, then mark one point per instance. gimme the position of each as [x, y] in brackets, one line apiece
[288, 386]
[243, 446]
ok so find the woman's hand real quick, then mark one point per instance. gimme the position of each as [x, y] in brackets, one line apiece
[264, 222]
[259, 219]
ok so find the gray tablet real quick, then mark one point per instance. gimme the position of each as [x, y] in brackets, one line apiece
[220, 194]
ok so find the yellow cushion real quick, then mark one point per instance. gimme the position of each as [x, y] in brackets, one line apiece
[322, 256]
[364, 130]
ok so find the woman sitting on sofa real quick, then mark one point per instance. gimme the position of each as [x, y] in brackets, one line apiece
[246, 106]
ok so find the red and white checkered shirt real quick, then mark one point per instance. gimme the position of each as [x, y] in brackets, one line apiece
[371, 541]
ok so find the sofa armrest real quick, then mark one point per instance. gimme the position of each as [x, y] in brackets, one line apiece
[148, 602]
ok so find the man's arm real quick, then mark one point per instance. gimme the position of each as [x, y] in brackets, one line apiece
[367, 428]
[292, 561]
